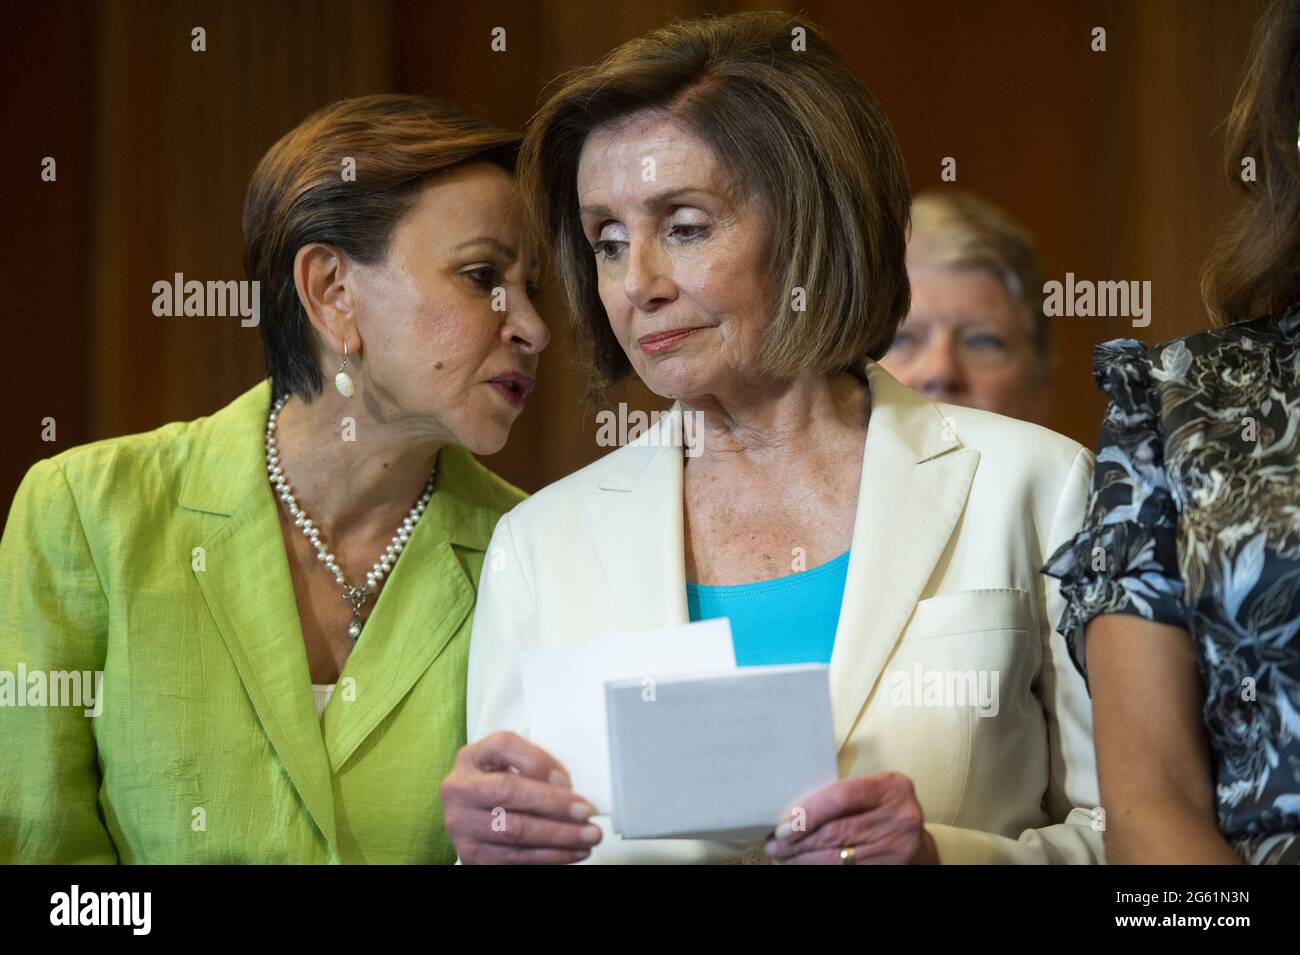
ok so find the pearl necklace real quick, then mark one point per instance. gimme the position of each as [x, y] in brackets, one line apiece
[354, 595]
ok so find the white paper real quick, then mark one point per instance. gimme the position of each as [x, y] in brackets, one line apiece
[718, 756]
[564, 691]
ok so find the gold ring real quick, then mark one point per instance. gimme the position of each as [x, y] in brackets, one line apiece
[848, 856]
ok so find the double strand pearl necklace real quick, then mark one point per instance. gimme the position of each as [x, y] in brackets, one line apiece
[354, 595]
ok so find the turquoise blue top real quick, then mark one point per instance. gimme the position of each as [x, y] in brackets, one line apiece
[785, 620]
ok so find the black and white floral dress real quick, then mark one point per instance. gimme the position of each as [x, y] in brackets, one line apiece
[1195, 522]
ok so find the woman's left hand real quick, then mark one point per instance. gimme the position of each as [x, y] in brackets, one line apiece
[876, 817]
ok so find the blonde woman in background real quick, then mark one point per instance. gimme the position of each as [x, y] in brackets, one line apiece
[976, 334]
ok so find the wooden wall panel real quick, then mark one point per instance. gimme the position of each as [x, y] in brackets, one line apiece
[178, 132]
[46, 72]
[1109, 158]
[1113, 159]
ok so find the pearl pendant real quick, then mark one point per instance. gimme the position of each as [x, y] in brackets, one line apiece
[357, 596]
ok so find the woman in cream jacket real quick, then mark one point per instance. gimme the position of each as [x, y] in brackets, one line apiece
[734, 234]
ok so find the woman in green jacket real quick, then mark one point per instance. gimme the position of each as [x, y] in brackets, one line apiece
[180, 606]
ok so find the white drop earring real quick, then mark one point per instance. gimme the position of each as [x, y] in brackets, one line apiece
[342, 380]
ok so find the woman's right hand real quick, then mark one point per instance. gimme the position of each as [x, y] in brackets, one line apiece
[507, 801]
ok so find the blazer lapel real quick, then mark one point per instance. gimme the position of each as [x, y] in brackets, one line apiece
[635, 518]
[915, 480]
[427, 598]
[249, 593]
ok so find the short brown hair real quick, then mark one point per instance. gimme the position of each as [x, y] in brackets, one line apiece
[790, 122]
[952, 228]
[298, 195]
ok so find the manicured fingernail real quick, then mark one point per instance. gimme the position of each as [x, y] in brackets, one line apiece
[591, 834]
[582, 810]
[582, 855]
[784, 831]
[770, 847]
[557, 778]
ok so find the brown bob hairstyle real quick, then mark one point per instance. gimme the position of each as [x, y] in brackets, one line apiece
[791, 125]
[299, 193]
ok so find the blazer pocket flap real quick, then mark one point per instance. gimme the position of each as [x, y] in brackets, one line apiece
[970, 611]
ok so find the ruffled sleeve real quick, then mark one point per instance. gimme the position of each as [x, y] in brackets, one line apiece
[1125, 558]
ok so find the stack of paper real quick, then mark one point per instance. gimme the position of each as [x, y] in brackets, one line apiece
[718, 756]
[662, 731]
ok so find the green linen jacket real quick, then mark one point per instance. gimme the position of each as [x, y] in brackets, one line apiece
[157, 559]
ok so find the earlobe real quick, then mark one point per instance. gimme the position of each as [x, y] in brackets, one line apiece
[320, 277]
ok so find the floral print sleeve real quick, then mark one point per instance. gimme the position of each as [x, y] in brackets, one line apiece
[1195, 521]
[1124, 560]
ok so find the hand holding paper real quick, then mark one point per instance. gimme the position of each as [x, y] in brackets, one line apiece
[564, 689]
[508, 801]
[662, 731]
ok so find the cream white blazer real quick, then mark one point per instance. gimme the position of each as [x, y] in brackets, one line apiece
[957, 511]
